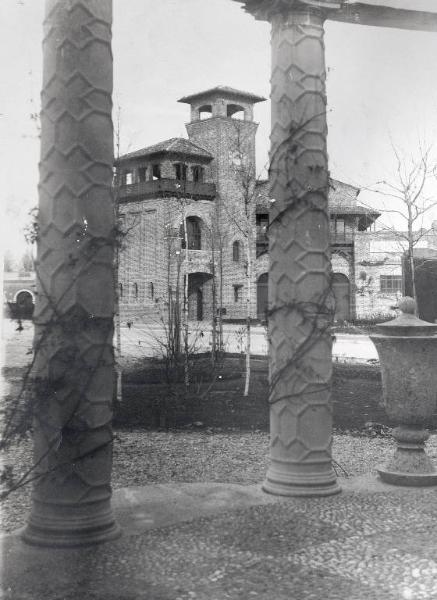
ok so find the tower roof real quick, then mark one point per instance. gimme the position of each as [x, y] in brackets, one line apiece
[225, 91]
[179, 146]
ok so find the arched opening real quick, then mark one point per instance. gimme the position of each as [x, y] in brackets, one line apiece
[199, 293]
[236, 251]
[24, 304]
[205, 111]
[341, 290]
[235, 111]
[262, 296]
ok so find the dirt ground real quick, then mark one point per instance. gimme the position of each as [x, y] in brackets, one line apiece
[217, 400]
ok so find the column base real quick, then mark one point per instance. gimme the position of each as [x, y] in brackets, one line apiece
[70, 526]
[280, 485]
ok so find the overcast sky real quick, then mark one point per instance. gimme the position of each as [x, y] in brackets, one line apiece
[381, 83]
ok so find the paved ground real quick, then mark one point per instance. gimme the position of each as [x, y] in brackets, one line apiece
[142, 340]
[218, 541]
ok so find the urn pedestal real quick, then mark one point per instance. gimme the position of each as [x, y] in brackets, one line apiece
[407, 349]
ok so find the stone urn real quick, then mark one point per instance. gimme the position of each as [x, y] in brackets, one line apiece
[407, 349]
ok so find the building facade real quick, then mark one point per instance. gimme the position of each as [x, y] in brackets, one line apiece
[193, 215]
[19, 289]
[380, 260]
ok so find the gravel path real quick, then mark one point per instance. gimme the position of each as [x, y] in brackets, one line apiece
[142, 457]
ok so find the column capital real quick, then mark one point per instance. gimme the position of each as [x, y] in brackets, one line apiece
[265, 10]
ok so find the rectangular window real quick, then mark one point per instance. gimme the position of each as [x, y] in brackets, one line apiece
[197, 173]
[340, 228]
[390, 284]
[238, 292]
[127, 178]
[180, 171]
[340, 231]
[156, 172]
[337, 227]
[262, 240]
[142, 173]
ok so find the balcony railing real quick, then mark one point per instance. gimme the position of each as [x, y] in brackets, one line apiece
[200, 260]
[341, 238]
[336, 239]
[168, 187]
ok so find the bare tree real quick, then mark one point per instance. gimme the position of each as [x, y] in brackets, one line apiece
[117, 323]
[217, 244]
[242, 216]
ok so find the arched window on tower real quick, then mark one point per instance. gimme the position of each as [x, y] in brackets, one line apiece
[136, 291]
[120, 290]
[235, 111]
[236, 251]
[205, 111]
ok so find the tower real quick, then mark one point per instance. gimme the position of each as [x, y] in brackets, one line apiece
[222, 123]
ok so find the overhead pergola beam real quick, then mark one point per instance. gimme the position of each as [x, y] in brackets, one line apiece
[399, 14]
[419, 15]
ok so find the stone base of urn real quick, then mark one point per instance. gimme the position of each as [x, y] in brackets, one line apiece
[410, 465]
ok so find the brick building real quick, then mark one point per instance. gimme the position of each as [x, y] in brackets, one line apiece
[380, 267]
[208, 182]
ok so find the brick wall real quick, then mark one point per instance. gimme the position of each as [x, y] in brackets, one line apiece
[151, 251]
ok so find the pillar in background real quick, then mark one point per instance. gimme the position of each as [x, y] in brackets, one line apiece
[300, 296]
[74, 365]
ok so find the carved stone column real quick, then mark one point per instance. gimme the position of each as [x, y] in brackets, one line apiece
[74, 365]
[300, 297]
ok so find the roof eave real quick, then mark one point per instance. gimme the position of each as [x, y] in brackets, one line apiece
[234, 94]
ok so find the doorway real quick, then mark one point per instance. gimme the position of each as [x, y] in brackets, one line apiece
[262, 296]
[341, 290]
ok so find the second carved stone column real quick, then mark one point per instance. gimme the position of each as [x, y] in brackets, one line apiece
[300, 294]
